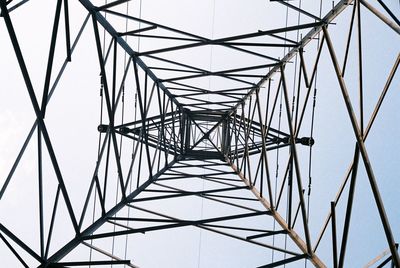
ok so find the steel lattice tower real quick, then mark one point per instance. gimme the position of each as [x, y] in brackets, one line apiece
[221, 126]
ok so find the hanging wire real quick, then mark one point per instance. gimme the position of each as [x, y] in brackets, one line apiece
[98, 156]
[312, 129]
[122, 121]
[277, 151]
[295, 65]
[295, 77]
[135, 118]
[140, 16]
[295, 70]
[207, 128]
[99, 141]
[117, 188]
[120, 141]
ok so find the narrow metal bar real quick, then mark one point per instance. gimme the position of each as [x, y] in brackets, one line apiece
[297, 213]
[107, 254]
[264, 151]
[133, 157]
[374, 261]
[143, 116]
[161, 36]
[296, 162]
[290, 189]
[40, 193]
[51, 57]
[19, 242]
[346, 54]
[303, 66]
[360, 67]
[112, 4]
[382, 96]
[297, 9]
[114, 78]
[18, 159]
[67, 31]
[382, 17]
[349, 207]
[107, 140]
[139, 31]
[234, 228]
[140, 159]
[267, 233]
[285, 261]
[242, 124]
[187, 193]
[86, 263]
[164, 111]
[250, 124]
[53, 217]
[13, 251]
[248, 44]
[150, 98]
[101, 199]
[385, 7]
[14, 7]
[334, 237]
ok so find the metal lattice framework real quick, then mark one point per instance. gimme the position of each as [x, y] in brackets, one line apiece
[181, 132]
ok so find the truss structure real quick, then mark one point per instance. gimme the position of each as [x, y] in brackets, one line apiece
[185, 138]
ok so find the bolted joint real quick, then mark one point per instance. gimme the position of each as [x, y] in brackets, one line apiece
[124, 130]
[102, 128]
[308, 141]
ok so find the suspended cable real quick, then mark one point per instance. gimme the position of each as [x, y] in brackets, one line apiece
[279, 128]
[312, 130]
[122, 120]
[207, 129]
[99, 140]
[117, 182]
[140, 23]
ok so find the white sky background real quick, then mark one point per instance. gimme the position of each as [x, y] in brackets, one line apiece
[73, 116]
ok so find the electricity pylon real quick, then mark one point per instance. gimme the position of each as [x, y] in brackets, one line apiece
[165, 130]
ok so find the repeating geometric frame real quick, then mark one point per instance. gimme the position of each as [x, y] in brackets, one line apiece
[180, 133]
